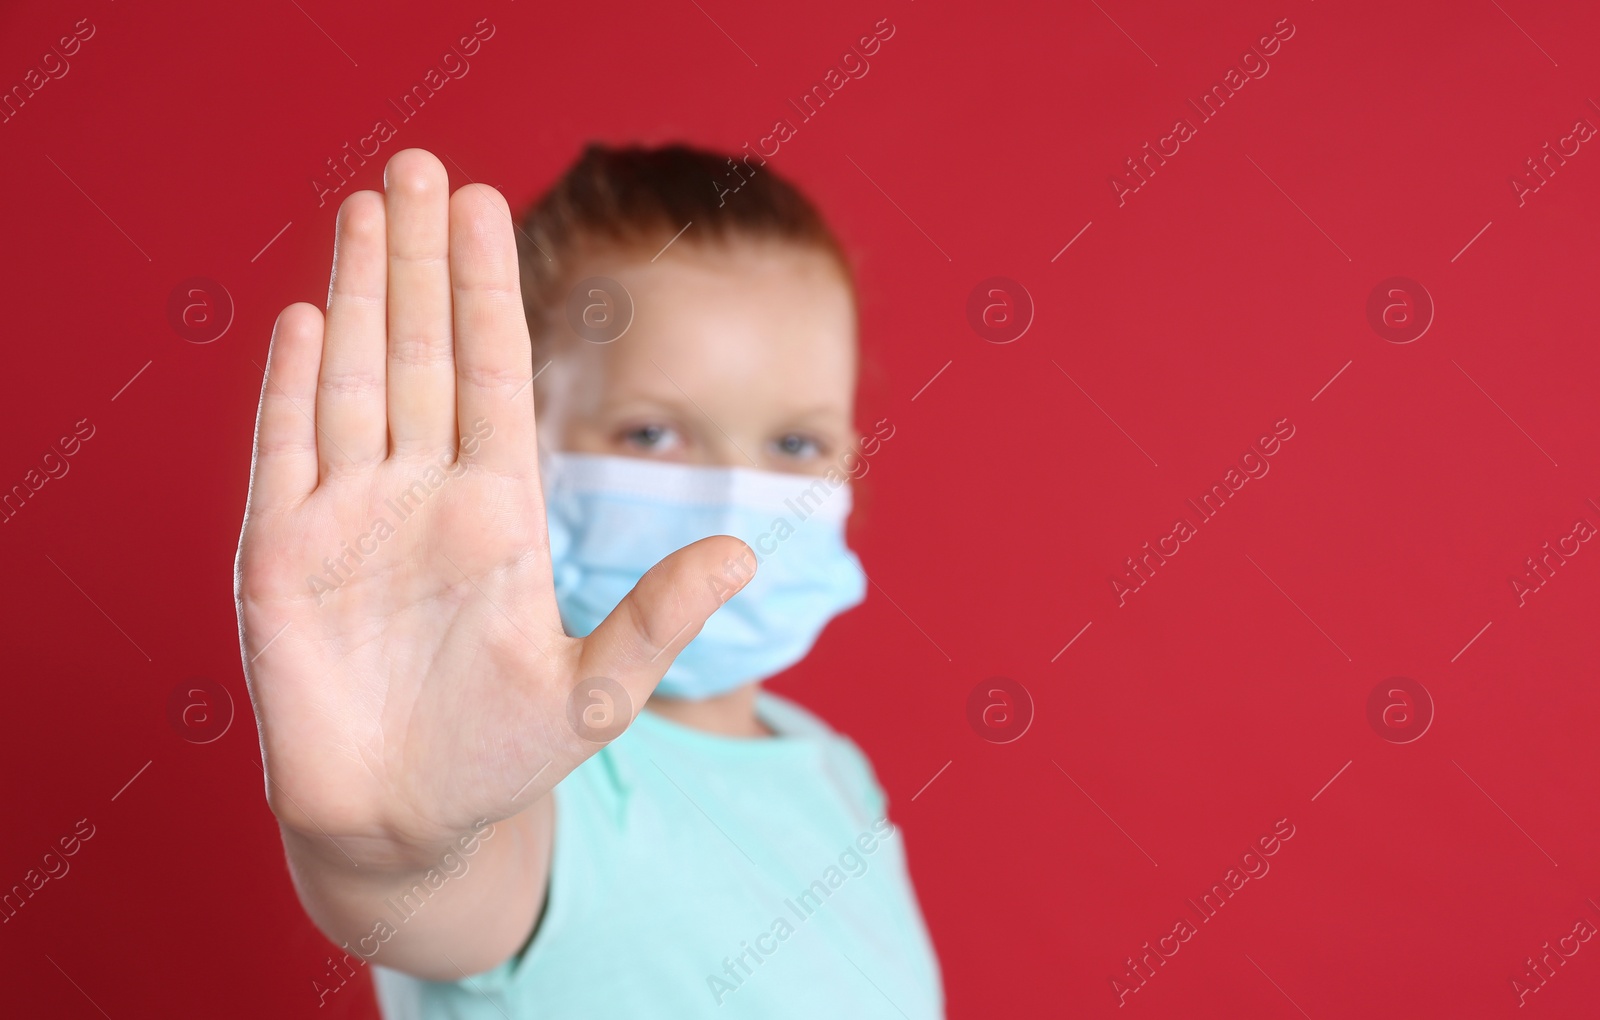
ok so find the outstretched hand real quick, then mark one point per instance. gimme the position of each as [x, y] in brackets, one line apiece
[397, 619]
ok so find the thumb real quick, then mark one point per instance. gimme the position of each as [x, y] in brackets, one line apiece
[627, 655]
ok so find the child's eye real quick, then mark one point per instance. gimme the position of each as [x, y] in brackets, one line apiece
[652, 438]
[797, 445]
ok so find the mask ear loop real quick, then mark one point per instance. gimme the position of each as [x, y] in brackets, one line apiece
[548, 456]
[552, 466]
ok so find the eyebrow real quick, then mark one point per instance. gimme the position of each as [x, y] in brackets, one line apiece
[635, 403]
[671, 398]
[818, 410]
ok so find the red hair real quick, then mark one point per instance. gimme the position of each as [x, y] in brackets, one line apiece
[633, 197]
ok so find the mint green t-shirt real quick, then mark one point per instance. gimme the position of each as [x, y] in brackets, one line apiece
[695, 875]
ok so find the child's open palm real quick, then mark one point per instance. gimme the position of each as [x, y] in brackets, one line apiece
[411, 677]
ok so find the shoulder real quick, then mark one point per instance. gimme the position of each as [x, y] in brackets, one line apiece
[841, 757]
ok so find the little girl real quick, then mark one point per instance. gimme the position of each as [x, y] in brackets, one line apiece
[506, 663]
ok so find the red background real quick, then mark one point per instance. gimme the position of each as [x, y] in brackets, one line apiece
[1220, 298]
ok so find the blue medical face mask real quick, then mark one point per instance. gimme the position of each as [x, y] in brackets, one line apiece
[613, 518]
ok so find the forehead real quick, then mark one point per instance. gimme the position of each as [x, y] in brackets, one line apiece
[746, 322]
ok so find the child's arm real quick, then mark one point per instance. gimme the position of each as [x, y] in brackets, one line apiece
[398, 624]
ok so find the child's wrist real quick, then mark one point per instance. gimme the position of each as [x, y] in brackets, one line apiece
[372, 855]
[393, 854]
